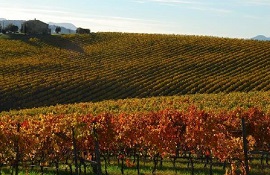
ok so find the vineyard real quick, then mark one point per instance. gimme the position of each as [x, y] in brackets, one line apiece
[207, 102]
[73, 140]
[40, 71]
[177, 132]
[143, 103]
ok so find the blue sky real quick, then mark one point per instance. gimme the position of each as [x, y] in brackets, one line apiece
[223, 18]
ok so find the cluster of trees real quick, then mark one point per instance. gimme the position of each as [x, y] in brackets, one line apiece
[78, 30]
[58, 29]
[11, 28]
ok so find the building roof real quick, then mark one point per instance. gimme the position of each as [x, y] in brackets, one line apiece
[30, 21]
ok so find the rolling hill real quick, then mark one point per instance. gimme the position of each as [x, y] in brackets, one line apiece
[47, 70]
[261, 38]
[64, 25]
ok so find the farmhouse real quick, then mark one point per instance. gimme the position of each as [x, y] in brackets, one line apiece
[35, 27]
[82, 31]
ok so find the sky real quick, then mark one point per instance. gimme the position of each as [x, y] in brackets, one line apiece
[222, 18]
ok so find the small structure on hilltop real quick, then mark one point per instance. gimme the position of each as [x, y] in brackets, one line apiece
[35, 27]
[82, 31]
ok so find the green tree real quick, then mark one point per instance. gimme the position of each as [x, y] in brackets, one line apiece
[58, 29]
[12, 28]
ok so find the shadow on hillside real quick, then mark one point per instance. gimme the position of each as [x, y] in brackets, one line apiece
[50, 40]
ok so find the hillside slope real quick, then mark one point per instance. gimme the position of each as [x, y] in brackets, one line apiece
[47, 70]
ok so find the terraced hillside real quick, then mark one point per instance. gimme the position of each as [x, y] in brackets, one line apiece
[41, 71]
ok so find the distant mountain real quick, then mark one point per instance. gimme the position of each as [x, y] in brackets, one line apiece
[63, 29]
[261, 38]
[64, 25]
[5, 22]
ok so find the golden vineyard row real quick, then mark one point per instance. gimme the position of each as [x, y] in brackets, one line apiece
[41, 71]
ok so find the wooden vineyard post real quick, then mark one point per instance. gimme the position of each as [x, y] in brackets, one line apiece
[97, 152]
[75, 151]
[138, 164]
[17, 150]
[244, 134]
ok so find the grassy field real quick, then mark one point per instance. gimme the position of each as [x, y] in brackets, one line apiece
[167, 168]
[40, 71]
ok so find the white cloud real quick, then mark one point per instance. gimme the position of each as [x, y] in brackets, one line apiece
[255, 2]
[94, 22]
[209, 9]
[260, 2]
[25, 13]
[118, 24]
[253, 17]
[139, 1]
[192, 4]
[173, 1]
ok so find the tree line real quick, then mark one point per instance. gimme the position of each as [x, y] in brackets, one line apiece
[11, 28]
